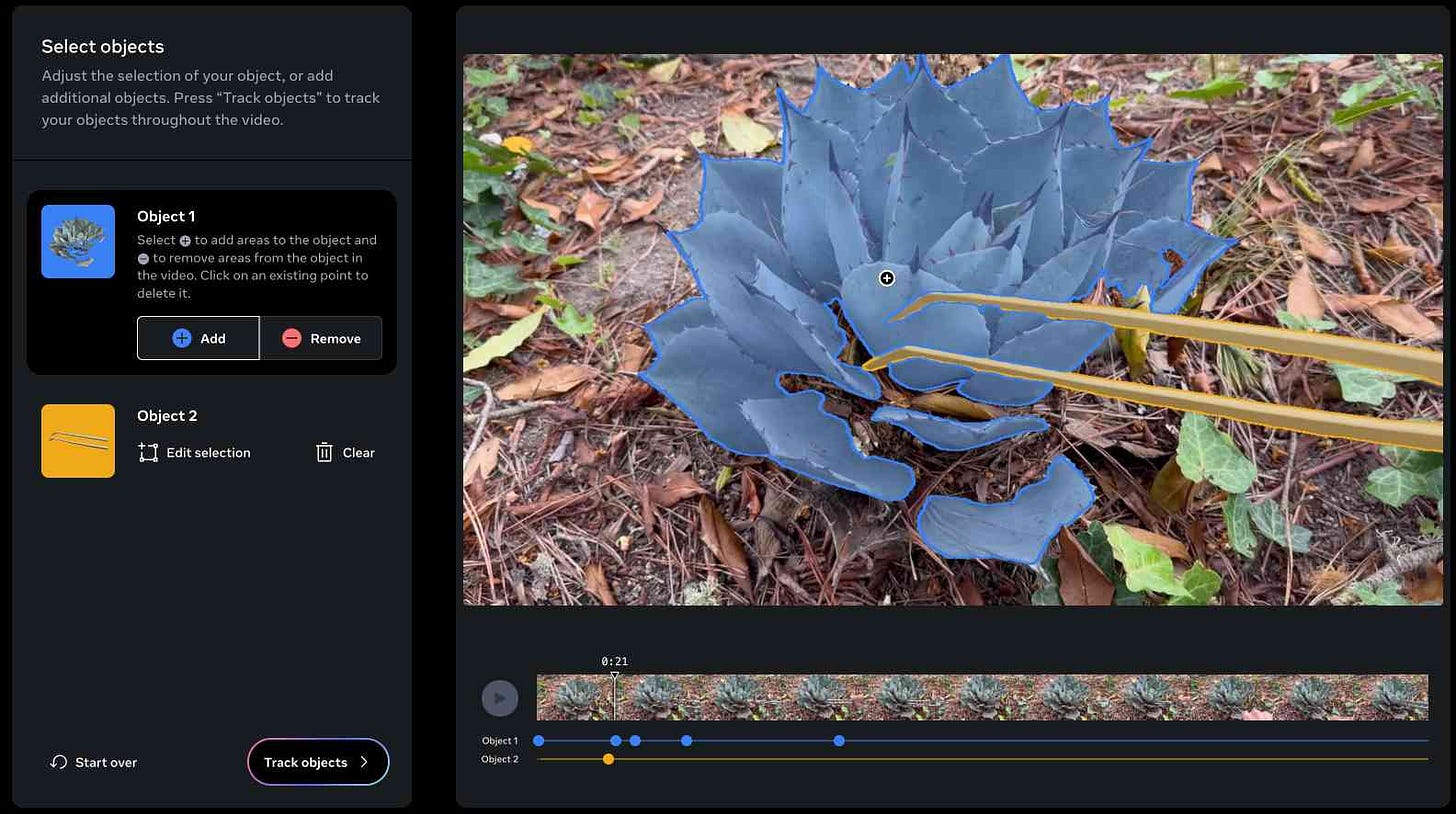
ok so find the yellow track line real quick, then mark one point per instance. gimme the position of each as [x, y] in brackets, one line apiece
[1033, 759]
[1399, 359]
[1411, 434]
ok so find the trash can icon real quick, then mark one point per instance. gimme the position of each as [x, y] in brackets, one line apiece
[325, 452]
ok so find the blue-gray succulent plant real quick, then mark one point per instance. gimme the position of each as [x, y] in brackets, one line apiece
[888, 193]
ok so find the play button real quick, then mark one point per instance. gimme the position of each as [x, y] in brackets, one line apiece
[499, 698]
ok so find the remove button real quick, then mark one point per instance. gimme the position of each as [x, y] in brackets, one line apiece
[323, 338]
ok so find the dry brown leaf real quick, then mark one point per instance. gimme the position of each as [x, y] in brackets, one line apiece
[1397, 254]
[635, 209]
[1328, 578]
[1426, 585]
[552, 210]
[1354, 303]
[723, 541]
[1406, 320]
[1381, 205]
[969, 591]
[1362, 273]
[482, 461]
[1212, 164]
[548, 382]
[607, 169]
[1277, 189]
[596, 583]
[953, 405]
[1083, 583]
[1163, 543]
[1304, 297]
[1364, 157]
[592, 209]
[1336, 146]
[1171, 491]
[1269, 207]
[1317, 246]
[674, 488]
[633, 355]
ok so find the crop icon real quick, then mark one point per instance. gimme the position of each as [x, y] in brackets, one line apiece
[886, 194]
[77, 241]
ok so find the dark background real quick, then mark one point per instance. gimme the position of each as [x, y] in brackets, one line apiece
[179, 612]
[519, 643]
[97, 672]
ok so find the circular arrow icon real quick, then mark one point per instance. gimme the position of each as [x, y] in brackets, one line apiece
[59, 762]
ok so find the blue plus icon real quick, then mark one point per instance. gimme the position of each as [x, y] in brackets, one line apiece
[181, 337]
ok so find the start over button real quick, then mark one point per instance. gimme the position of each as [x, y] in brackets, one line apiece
[323, 338]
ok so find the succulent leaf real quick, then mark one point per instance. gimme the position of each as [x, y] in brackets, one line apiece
[888, 193]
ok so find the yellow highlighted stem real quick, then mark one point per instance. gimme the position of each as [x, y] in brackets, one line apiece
[1422, 435]
[1002, 759]
[1421, 363]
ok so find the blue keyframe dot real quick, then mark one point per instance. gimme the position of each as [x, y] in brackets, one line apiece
[538, 740]
[635, 740]
[687, 740]
[615, 740]
[838, 740]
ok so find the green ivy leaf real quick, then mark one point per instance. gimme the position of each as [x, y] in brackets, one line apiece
[1356, 93]
[485, 280]
[1049, 591]
[1146, 566]
[1274, 80]
[1296, 322]
[1366, 386]
[1346, 116]
[1236, 518]
[1200, 583]
[598, 96]
[483, 78]
[1413, 459]
[1396, 487]
[1269, 520]
[539, 217]
[1295, 59]
[1094, 541]
[1205, 453]
[496, 106]
[1387, 594]
[572, 322]
[1221, 86]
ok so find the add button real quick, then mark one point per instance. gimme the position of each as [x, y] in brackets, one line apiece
[164, 338]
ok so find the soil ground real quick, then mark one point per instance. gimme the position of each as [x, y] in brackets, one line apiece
[598, 494]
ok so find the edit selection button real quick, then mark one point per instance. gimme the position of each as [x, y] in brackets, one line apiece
[318, 762]
[323, 338]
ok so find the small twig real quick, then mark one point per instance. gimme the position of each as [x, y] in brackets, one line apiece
[1397, 568]
[481, 418]
[507, 412]
[1288, 521]
[1320, 468]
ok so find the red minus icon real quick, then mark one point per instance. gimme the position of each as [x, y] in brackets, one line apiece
[292, 338]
